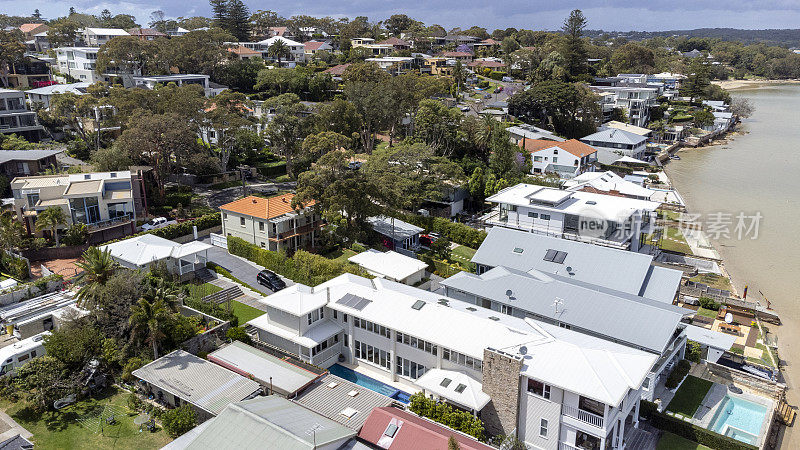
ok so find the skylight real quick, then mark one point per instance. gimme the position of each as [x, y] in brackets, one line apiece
[460, 388]
[418, 305]
[494, 318]
[518, 250]
[390, 430]
[555, 256]
[446, 382]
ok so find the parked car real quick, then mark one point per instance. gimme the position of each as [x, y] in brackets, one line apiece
[487, 96]
[270, 280]
[508, 80]
[354, 165]
[158, 222]
[498, 90]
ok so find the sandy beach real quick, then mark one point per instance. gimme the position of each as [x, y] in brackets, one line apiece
[731, 85]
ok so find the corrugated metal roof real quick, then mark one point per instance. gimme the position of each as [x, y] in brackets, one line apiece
[331, 401]
[83, 187]
[661, 284]
[397, 228]
[636, 321]
[197, 381]
[26, 155]
[615, 135]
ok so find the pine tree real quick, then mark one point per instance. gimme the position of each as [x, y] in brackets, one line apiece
[574, 51]
[36, 14]
[220, 17]
[238, 20]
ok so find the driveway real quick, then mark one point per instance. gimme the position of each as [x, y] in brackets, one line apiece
[239, 267]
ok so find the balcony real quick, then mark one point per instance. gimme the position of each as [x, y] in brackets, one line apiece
[119, 220]
[565, 446]
[583, 416]
[305, 229]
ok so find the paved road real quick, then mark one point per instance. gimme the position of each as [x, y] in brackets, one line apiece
[239, 267]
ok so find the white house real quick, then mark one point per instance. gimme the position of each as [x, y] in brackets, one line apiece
[636, 100]
[96, 37]
[141, 252]
[391, 265]
[79, 63]
[43, 95]
[567, 158]
[150, 82]
[612, 143]
[608, 183]
[395, 65]
[297, 52]
[15, 117]
[549, 386]
[599, 219]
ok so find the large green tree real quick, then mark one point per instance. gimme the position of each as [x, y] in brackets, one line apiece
[50, 219]
[226, 113]
[570, 109]
[148, 321]
[365, 87]
[11, 52]
[573, 48]
[97, 267]
[287, 128]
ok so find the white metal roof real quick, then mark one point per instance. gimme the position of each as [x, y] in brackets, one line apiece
[75, 88]
[289, 42]
[23, 346]
[297, 299]
[147, 248]
[710, 338]
[448, 383]
[388, 264]
[108, 31]
[606, 182]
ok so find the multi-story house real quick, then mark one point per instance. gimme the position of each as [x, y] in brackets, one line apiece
[312, 47]
[394, 65]
[146, 34]
[568, 159]
[31, 29]
[297, 52]
[635, 99]
[518, 133]
[271, 223]
[44, 95]
[600, 219]
[15, 163]
[150, 82]
[79, 63]
[369, 44]
[28, 72]
[549, 386]
[613, 143]
[101, 200]
[96, 37]
[15, 117]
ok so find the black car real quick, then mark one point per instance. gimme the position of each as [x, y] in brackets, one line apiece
[270, 280]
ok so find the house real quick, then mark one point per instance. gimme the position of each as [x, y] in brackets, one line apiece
[101, 200]
[30, 29]
[636, 322]
[177, 31]
[396, 234]
[181, 377]
[524, 131]
[608, 183]
[568, 158]
[151, 82]
[79, 63]
[487, 63]
[611, 143]
[272, 223]
[279, 31]
[44, 95]
[312, 47]
[397, 43]
[146, 34]
[32, 317]
[582, 389]
[391, 265]
[713, 344]
[397, 429]
[464, 57]
[296, 51]
[460, 39]
[449, 204]
[15, 163]
[15, 117]
[274, 374]
[670, 81]
[370, 45]
[641, 131]
[142, 252]
[337, 71]
[266, 422]
[96, 37]
[693, 53]
[636, 99]
[395, 65]
[28, 72]
[437, 66]
[242, 52]
[599, 219]
[629, 272]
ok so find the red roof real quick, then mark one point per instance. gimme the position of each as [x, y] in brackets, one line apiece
[28, 27]
[456, 54]
[313, 45]
[396, 42]
[337, 70]
[278, 31]
[573, 146]
[262, 208]
[490, 41]
[413, 432]
[242, 50]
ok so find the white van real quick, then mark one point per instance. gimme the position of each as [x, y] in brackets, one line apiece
[14, 356]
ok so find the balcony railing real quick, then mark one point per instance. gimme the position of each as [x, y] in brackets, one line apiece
[110, 222]
[305, 229]
[583, 416]
[565, 446]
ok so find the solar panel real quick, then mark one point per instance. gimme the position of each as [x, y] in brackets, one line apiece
[560, 256]
[354, 301]
[550, 255]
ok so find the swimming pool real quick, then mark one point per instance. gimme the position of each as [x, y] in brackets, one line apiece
[739, 419]
[369, 383]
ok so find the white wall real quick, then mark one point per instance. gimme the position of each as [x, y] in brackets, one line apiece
[532, 409]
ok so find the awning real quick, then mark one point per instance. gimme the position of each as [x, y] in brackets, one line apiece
[456, 386]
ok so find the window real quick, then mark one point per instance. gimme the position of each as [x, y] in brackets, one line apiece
[536, 387]
[417, 343]
[224, 215]
[505, 309]
[241, 221]
[260, 226]
[408, 368]
[545, 217]
[537, 159]
[533, 215]
[344, 318]
[543, 428]
[334, 314]
[555, 159]
[462, 359]
[555, 152]
[374, 355]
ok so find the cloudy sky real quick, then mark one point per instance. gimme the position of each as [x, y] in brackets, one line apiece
[532, 14]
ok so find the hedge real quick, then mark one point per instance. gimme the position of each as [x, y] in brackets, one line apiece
[678, 373]
[447, 415]
[184, 228]
[272, 169]
[457, 232]
[497, 75]
[695, 433]
[302, 267]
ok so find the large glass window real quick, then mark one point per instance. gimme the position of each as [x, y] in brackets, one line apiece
[408, 368]
[85, 210]
[587, 441]
[374, 355]
[116, 210]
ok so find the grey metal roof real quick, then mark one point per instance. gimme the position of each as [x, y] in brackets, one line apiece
[331, 401]
[197, 381]
[616, 269]
[270, 422]
[625, 318]
[402, 230]
[282, 376]
[26, 155]
[615, 135]
[661, 284]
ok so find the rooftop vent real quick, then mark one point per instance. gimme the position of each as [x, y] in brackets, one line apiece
[470, 308]
[353, 393]
[418, 305]
[591, 202]
[349, 412]
[444, 302]
[332, 385]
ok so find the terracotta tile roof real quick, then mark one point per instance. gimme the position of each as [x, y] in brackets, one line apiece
[490, 41]
[262, 208]
[337, 70]
[28, 27]
[573, 146]
[278, 31]
[242, 50]
[313, 45]
[414, 433]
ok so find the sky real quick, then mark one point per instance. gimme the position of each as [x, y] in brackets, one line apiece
[610, 15]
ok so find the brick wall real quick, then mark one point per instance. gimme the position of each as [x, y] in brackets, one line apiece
[501, 382]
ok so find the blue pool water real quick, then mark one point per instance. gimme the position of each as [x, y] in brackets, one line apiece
[369, 383]
[739, 419]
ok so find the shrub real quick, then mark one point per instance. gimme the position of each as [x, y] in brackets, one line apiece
[76, 234]
[238, 334]
[212, 309]
[693, 351]
[272, 169]
[179, 420]
[185, 228]
[131, 365]
[358, 248]
[709, 303]
[678, 373]
[497, 75]
[445, 414]
[695, 433]
[457, 232]
[134, 402]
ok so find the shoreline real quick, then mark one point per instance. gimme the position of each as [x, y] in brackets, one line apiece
[731, 85]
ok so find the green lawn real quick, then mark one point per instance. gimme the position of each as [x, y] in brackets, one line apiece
[340, 254]
[462, 255]
[671, 240]
[78, 425]
[244, 312]
[765, 359]
[689, 396]
[713, 280]
[671, 441]
[710, 313]
[198, 291]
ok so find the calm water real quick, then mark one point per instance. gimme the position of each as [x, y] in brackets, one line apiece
[757, 172]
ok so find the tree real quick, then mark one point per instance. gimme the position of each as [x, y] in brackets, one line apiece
[458, 76]
[110, 159]
[238, 334]
[316, 145]
[697, 81]
[452, 443]
[220, 18]
[131, 55]
[278, 50]
[74, 344]
[552, 67]
[742, 107]
[62, 33]
[178, 421]
[97, 267]
[573, 48]
[11, 231]
[73, 110]
[339, 116]
[199, 51]
[365, 88]
[437, 125]
[263, 20]
[570, 109]
[50, 219]
[42, 381]
[287, 128]
[633, 58]
[398, 23]
[240, 74]
[226, 113]
[238, 20]
[11, 51]
[148, 320]
[702, 118]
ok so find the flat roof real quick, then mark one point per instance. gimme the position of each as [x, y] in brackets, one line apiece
[245, 360]
[710, 338]
[329, 396]
[24, 310]
[197, 381]
[390, 264]
[400, 230]
[608, 181]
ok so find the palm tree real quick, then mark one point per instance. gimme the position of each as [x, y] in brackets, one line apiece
[98, 266]
[11, 231]
[149, 319]
[278, 49]
[163, 292]
[51, 218]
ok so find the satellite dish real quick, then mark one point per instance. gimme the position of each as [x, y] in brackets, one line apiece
[523, 350]
[569, 269]
[728, 318]
[509, 293]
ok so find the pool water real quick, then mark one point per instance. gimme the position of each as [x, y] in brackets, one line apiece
[739, 419]
[369, 383]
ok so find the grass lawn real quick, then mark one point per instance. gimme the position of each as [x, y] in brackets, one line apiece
[713, 280]
[671, 240]
[341, 254]
[671, 441]
[78, 426]
[244, 312]
[765, 359]
[462, 255]
[689, 396]
[710, 313]
[198, 291]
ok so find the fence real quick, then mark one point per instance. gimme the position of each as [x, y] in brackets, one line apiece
[218, 240]
[48, 253]
[200, 234]
[29, 290]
